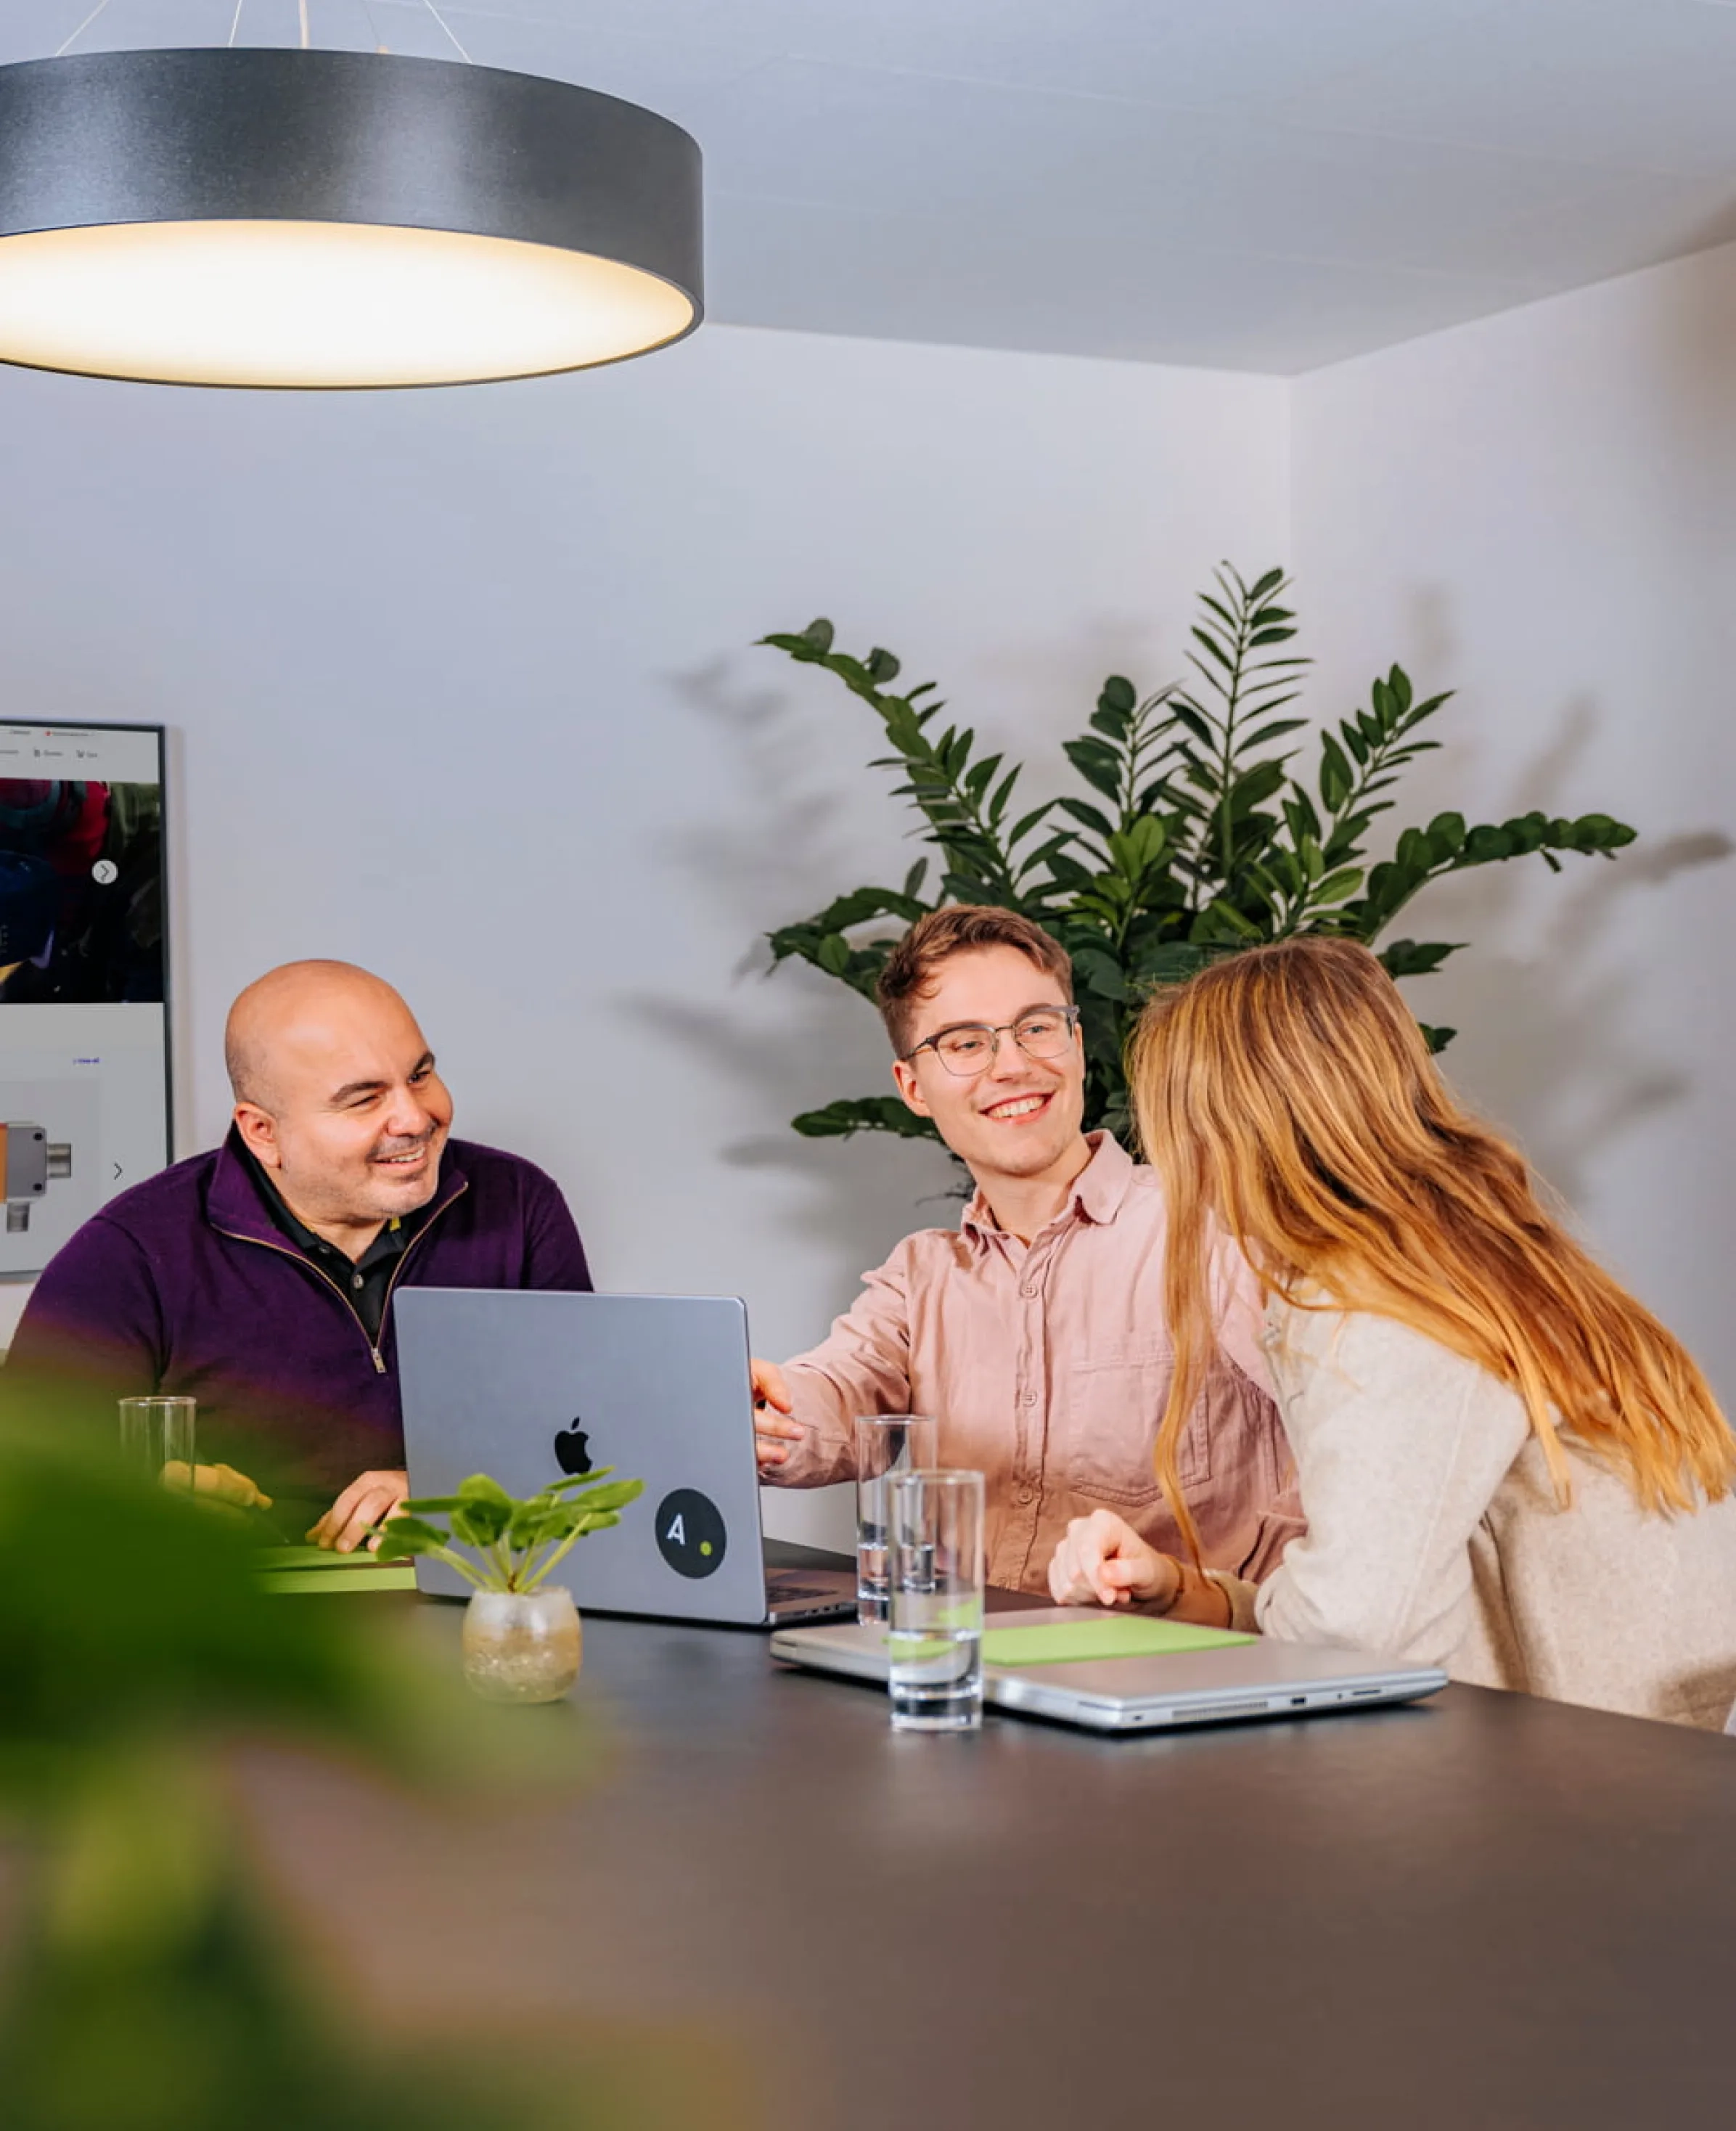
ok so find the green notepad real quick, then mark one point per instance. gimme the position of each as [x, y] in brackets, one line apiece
[1116, 1636]
[287, 1568]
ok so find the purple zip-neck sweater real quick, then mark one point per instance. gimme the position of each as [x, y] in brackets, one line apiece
[186, 1284]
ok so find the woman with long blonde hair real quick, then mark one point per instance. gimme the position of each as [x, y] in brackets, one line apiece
[1509, 1467]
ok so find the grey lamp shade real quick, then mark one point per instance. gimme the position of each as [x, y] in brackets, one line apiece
[331, 219]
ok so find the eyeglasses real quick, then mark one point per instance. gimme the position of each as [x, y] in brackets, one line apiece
[1046, 1031]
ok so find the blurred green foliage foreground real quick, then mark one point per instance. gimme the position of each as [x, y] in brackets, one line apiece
[145, 1982]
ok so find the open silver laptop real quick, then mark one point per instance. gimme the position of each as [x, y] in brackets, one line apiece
[528, 1386]
[1227, 1680]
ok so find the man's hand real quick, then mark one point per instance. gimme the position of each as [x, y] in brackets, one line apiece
[772, 1429]
[368, 1500]
[1103, 1561]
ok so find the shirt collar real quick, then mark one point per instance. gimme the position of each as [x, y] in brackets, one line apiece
[387, 1243]
[1098, 1191]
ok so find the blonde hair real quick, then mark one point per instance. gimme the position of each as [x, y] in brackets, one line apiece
[1288, 1095]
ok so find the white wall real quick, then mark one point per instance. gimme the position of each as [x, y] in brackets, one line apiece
[463, 690]
[1540, 510]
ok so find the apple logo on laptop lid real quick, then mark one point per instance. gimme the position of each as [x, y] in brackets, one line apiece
[572, 1450]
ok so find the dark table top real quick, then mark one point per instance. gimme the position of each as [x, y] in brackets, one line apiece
[1485, 1914]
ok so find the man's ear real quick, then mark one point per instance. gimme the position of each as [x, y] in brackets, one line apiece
[904, 1079]
[258, 1129]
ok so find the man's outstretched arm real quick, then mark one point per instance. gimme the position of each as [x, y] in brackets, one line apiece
[804, 1413]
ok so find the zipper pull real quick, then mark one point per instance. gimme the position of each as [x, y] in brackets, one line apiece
[378, 1361]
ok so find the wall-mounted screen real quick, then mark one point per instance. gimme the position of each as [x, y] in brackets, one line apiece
[83, 977]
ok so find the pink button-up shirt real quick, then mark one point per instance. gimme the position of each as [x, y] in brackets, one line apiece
[1048, 1367]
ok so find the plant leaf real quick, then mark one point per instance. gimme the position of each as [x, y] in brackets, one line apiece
[1417, 958]
[1096, 764]
[1335, 780]
[480, 1519]
[1094, 819]
[1189, 714]
[1276, 731]
[411, 1535]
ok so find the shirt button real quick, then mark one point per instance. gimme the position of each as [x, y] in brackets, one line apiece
[1027, 1398]
[1028, 1289]
[356, 1280]
[1025, 1495]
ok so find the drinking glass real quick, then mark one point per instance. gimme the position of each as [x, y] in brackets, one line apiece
[886, 1443]
[158, 1439]
[934, 1562]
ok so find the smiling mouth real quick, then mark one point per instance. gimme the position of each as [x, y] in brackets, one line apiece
[1018, 1108]
[410, 1160]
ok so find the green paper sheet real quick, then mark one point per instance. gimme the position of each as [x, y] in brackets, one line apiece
[308, 1557]
[1116, 1636]
[299, 1568]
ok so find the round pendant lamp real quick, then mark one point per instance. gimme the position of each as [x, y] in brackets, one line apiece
[326, 219]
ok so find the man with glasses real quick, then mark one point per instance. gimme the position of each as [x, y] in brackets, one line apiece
[1034, 1332]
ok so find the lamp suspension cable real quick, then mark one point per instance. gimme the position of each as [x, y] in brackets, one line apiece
[446, 26]
[306, 217]
[67, 43]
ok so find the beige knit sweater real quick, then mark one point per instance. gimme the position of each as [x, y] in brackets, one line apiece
[1433, 1533]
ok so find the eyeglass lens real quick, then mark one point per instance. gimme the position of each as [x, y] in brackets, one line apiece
[1038, 1035]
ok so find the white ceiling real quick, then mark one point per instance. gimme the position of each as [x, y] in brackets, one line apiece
[1257, 184]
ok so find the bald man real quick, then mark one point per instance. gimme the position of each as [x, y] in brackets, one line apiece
[259, 1278]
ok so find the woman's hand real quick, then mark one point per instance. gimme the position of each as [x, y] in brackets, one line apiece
[1103, 1561]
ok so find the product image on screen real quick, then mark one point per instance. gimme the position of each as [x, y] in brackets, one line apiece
[84, 991]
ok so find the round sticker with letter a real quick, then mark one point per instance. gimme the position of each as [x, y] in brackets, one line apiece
[689, 1533]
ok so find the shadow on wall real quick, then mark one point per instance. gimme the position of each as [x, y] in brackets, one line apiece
[812, 1041]
[1551, 1045]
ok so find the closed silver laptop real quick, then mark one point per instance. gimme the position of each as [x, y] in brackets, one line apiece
[529, 1386]
[1225, 1681]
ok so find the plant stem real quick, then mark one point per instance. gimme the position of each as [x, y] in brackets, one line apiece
[456, 1561]
[526, 1580]
[559, 1554]
[1232, 702]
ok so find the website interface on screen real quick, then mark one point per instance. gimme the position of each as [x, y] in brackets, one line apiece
[83, 1017]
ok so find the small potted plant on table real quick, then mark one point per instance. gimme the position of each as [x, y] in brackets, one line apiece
[522, 1640]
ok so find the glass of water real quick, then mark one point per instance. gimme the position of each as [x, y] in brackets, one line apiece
[935, 1570]
[157, 1440]
[886, 1443]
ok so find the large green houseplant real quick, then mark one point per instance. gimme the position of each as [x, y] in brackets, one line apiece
[1197, 835]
